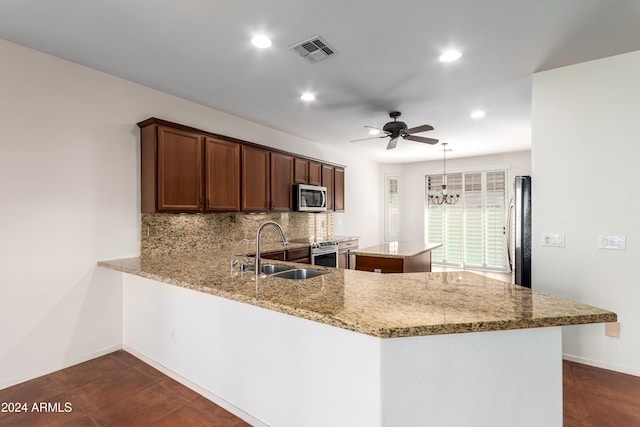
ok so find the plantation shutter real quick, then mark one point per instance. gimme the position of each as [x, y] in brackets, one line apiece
[473, 218]
[392, 208]
[445, 222]
[496, 222]
[454, 220]
[435, 220]
[472, 230]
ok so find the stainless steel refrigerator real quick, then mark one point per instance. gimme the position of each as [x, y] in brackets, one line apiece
[519, 231]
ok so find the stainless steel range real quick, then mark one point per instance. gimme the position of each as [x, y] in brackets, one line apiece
[325, 253]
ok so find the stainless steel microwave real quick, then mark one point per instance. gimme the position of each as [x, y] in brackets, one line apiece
[309, 198]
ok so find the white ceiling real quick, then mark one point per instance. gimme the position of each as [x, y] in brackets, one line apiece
[387, 59]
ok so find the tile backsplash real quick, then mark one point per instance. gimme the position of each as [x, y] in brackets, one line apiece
[168, 233]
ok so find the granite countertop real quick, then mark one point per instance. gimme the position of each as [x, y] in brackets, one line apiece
[396, 249]
[381, 305]
[345, 238]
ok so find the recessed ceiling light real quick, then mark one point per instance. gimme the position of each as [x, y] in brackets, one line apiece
[261, 41]
[308, 96]
[477, 114]
[450, 55]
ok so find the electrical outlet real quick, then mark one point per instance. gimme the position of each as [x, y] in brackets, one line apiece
[607, 241]
[553, 239]
[612, 329]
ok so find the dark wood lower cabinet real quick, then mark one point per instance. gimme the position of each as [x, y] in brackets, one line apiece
[417, 263]
[277, 255]
[299, 255]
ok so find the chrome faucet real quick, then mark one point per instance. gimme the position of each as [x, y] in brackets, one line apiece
[246, 263]
[257, 264]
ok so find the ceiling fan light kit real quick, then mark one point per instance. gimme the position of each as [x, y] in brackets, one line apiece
[397, 129]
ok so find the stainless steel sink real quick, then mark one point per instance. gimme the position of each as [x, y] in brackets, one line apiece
[299, 274]
[270, 269]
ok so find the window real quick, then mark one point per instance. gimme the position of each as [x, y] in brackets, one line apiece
[392, 208]
[472, 230]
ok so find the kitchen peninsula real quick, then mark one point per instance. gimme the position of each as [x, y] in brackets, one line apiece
[351, 347]
[395, 257]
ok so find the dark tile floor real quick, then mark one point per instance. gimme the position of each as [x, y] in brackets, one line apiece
[113, 390]
[120, 390]
[596, 397]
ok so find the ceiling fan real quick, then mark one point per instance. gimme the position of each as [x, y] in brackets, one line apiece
[396, 129]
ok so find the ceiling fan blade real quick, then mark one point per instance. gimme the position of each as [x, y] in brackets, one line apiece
[392, 143]
[421, 139]
[418, 129]
[364, 139]
[371, 137]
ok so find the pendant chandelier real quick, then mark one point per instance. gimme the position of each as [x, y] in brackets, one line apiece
[442, 197]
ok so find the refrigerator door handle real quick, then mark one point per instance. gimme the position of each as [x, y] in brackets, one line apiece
[508, 233]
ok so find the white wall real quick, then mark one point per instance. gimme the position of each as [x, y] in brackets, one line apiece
[585, 166]
[281, 370]
[69, 183]
[412, 175]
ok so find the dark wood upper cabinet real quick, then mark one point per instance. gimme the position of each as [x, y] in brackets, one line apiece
[184, 169]
[179, 185]
[315, 173]
[300, 171]
[222, 175]
[307, 172]
[255, 179]
[327, 181]
[282, 176]
[338, 186]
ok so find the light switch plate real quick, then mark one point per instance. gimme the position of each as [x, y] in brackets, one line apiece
[615, 242]
[553, 239]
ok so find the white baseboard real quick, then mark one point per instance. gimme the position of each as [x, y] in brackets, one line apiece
[601, 364]
[195, 387]
[57, 367]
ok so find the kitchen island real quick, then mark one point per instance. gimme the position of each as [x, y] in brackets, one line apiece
[395, 257]
[350, 347]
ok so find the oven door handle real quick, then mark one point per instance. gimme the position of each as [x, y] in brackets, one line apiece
[324, 252]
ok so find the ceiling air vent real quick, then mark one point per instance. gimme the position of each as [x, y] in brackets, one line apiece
[314, 49]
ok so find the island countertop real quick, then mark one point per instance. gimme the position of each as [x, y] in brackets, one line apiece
[396, 249]
[381, 305]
